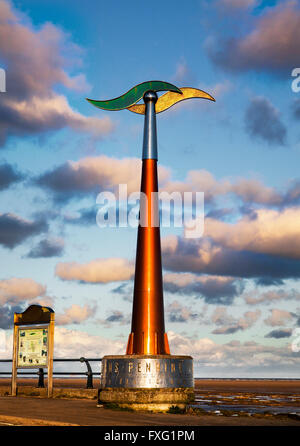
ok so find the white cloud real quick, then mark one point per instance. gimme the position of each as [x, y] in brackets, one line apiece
[271, 296]
[19, 290]
[278, 317]
[75, 314]
[75, 343]
[96, 271]
[271, 232]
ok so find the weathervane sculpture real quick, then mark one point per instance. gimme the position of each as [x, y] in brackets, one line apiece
[148, 376]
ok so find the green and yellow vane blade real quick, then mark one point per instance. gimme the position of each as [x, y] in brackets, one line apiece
[169, 99]
[134, 95]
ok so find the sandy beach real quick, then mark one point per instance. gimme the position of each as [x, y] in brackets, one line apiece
[217, 402]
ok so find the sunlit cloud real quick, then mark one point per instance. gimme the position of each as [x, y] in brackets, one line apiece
[75, 314]
[279, 317]
[271, 46]
[16, 290]
[36, 63]
[96, 271]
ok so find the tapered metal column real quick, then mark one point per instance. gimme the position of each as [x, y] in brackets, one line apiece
[148, 335]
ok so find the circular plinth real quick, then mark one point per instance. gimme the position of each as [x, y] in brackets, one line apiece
[144, 382]
[144, 371]
[154, 400]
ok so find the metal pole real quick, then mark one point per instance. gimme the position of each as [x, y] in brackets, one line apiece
[148, 327]
[89, 373]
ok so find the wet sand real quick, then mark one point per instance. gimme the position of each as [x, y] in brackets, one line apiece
[287, 387]
[254, 386]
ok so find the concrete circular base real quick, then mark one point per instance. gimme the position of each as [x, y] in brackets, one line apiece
[147, 382]
[155, 400]
[147, 371]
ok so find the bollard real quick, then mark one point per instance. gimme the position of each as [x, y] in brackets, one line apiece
[41, 378]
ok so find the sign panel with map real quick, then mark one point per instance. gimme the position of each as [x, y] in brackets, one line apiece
[33, 343]
[32, 347]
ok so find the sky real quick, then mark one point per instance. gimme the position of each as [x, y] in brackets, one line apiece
[232, 296]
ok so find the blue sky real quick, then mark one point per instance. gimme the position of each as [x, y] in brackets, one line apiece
[231, 297]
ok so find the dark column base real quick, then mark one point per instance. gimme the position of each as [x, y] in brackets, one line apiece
[144, 382]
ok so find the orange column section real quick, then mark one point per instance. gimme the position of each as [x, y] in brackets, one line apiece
[148, 335]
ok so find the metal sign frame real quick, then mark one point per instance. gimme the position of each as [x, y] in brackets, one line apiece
[34, 317]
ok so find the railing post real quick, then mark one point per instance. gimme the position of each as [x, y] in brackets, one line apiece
[89, 373]
[41, 378]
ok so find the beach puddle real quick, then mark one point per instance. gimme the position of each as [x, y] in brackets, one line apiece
[247, 404]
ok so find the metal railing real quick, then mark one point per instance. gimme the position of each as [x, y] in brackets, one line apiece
[41, 373]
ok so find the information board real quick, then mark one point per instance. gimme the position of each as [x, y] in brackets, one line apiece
[32, 347]
[33, 343]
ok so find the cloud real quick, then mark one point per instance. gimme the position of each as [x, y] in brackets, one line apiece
[214, 289]
[292, 195]
[115, 316]
[84, 217]
[205, 256]
[268, 281]
[70, 343]
[75, 343]
[278, 334]
[231, 359]
[96, 271]
[220, 89]
[9, 175]
[234, 358]
[183, 75]
[49, 247]
[296, 109]
[36, 62]
[95, 174]
[92, 174]
[254, 191]
[271, 46]
[237, 4]
[14, 229]
[219, 214]
[199, 181]
[272, 296]
[37, 115]
[278, 317]
[7, 315]
[229, 325]
[125, 290]
[15, 290]
[248, 190]
[178, 313]
[271, 232]
[262, 121]
[75, 314]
